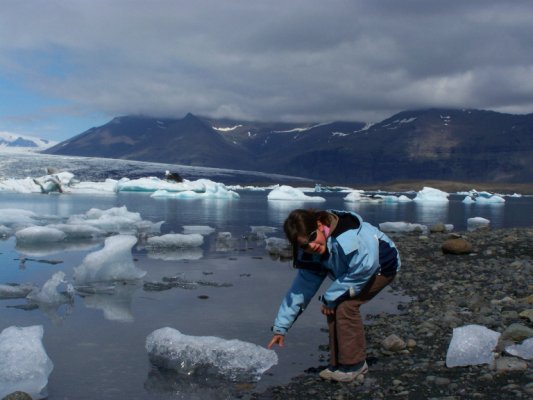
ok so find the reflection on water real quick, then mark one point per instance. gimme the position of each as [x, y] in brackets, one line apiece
[115, 303]
[431, 212]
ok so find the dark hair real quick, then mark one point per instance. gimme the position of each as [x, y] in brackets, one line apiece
[302, 222]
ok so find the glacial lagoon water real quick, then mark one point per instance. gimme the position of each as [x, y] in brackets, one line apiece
[97, 342]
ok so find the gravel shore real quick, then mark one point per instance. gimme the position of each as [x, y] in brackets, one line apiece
[492, 286]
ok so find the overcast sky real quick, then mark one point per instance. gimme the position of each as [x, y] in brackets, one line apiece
[66, 66]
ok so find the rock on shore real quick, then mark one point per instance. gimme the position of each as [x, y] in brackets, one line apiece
[492, 286]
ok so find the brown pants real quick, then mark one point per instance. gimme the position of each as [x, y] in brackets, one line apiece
[347, 344]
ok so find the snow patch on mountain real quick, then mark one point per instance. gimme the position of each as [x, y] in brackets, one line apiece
[16, 143]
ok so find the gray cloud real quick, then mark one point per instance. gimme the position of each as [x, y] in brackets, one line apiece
[272, 60]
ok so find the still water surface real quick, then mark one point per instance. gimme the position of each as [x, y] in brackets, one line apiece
[97, 344]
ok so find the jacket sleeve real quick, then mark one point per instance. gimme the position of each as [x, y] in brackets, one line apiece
[305, 285]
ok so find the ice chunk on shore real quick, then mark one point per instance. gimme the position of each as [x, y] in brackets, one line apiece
[403, 227]
[173, 240]
[288, 193]
[471, 345]
[49, 293]
[40, 234]
[523, 350]
[428, 194]
[113, 262]
[230, 359]
[477, 223]
[24, 364]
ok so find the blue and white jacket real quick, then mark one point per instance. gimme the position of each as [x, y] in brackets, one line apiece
[353, 258]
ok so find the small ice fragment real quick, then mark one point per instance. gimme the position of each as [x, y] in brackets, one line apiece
[471, 345]
[175, 240]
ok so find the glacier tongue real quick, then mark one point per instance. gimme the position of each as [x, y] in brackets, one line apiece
[234, 360]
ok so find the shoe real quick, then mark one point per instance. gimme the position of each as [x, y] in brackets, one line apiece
[327, 373]
[349, 376]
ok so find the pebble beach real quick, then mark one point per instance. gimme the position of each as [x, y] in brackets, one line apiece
[490, 285]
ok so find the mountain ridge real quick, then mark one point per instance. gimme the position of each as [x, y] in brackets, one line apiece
[446, 144]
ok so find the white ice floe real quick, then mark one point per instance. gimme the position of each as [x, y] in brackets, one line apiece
[39, 234]
[113, 262]
[210, 190]
[278, 246]
[288, 193]
[482, 198]
[523, 350]
[114, 220]
[78, 231]
[24, 364]
[431, 195]
[201, 229]
[234, 360]
[396, 199]
[15, 291]
[175, 240]
[354, 196]
[477, 223]
[471, 345]
[260, 232]
[152, 184]
[49, 293]
[13, 217]
[403, 227]
[109, 186]
[175, 254]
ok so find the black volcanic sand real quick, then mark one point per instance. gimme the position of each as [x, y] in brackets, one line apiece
[491, 287]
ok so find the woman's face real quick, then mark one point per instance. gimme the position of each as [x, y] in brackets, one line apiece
[315, 243]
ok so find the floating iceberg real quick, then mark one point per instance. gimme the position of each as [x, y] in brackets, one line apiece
[173, 240]
[78, 231]
[471, 345]
[523, 350]
[114, 220]
[113, 262]
[152, 184]
[175, 254]
[234, 360]
[13, 217]
[354, 196]
[201, 229]
[24, 364]
[39, 234]
[431, 195]
[477, 223]
[288, 193]
[403, 227]
[259, 232]
[209, 190]
[14, 291]
[49, 294]
[482, 198]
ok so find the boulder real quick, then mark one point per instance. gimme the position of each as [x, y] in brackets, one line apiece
[393, 343]
[456, 246]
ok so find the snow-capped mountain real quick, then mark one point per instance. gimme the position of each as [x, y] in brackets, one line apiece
[24, 143]
[443, 144]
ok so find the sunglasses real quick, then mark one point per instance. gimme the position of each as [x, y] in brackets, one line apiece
[310, 239]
